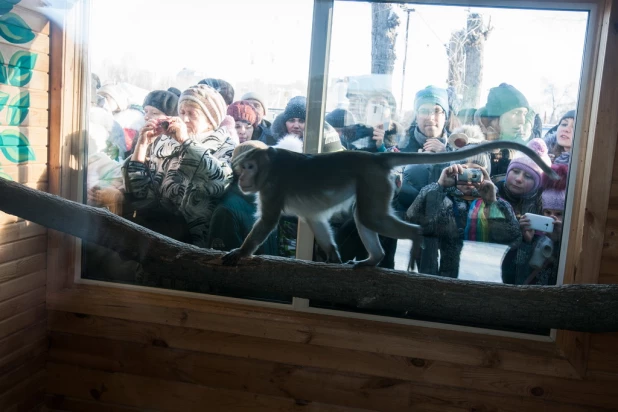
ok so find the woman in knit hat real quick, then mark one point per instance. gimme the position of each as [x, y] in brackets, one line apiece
[559, 138]
[185, 168]
[504, 117]
[290, 121]
[246, 118]
[535, 260]
[523, 181]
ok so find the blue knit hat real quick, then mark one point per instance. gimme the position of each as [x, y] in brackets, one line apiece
[432, 95]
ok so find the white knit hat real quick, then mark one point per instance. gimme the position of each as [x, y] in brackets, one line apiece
[210, 101]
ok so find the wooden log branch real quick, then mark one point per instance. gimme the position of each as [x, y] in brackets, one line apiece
[587, 308]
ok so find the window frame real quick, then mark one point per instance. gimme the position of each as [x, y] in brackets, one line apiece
[586, 207]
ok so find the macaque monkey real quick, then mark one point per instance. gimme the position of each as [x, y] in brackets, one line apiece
[314, 187]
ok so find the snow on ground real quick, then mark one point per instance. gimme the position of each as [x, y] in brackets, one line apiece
[479, 261]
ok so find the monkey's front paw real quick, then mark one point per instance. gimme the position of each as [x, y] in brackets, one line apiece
[231, 258]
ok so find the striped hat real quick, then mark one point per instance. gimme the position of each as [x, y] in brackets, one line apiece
[209, 100]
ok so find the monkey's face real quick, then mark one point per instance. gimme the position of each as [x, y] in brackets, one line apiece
[248, 176]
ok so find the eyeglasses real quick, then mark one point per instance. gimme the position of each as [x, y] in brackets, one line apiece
[429, 112]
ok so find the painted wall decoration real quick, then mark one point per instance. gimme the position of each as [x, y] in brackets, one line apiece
[17, 72]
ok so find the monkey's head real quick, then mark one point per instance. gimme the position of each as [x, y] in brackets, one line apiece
[252, 167]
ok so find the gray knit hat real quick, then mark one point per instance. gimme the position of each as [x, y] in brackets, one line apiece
[163, 100]
[256, 97]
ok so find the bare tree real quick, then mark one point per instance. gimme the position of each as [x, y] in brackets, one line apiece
[384, 24]
[476, 35]
[558, 99]
[465, 52]
[456, 60]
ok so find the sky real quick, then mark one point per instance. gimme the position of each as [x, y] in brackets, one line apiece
[241, 40]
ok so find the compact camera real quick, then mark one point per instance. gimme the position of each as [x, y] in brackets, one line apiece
[541, 223]
[542, 252]
[470, 175]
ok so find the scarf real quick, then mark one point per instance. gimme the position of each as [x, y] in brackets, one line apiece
[421, 138]
[477, 225]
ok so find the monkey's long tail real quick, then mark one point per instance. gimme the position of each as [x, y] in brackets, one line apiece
[392, 160]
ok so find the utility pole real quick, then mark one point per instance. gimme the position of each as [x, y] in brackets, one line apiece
[405, 59]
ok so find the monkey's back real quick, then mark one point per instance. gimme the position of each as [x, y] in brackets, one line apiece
[296, 172]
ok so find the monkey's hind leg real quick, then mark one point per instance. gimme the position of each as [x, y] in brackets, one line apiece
[390, 226]
[371, 241]
[324, 237]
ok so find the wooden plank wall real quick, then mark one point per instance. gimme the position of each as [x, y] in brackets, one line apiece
[24, 102]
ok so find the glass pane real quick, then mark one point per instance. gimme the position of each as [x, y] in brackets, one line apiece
[175, 177]
[436, 78]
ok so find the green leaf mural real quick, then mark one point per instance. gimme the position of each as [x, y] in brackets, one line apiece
[14, 29]
[18, 109]
[13, 138]
[23, 58]
[4, 98]
[20, 68]
[21, 100]
[17, 154]
[15, 146]
[16, 115]
[7, 5]
[3, 76]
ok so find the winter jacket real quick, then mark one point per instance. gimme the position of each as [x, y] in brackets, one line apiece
[417, 176]
[263, 133]
[450, 218]
[232, 221]
[186, 179]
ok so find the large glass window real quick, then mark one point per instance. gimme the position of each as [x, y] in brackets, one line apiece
[435, 78]
[224, 70]
[401, 77]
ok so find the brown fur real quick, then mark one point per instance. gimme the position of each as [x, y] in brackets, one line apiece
[314, 187]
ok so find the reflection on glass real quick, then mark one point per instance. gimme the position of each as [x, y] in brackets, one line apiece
[168, 113]
[464, 76]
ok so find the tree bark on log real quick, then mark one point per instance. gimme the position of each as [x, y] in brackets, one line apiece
[587, 308]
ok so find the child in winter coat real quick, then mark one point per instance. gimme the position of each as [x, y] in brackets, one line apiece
[451, 211]
[536, 258]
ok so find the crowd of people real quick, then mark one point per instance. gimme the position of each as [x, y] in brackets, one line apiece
[178, 180]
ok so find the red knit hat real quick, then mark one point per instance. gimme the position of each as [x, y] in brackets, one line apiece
[243, 110]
